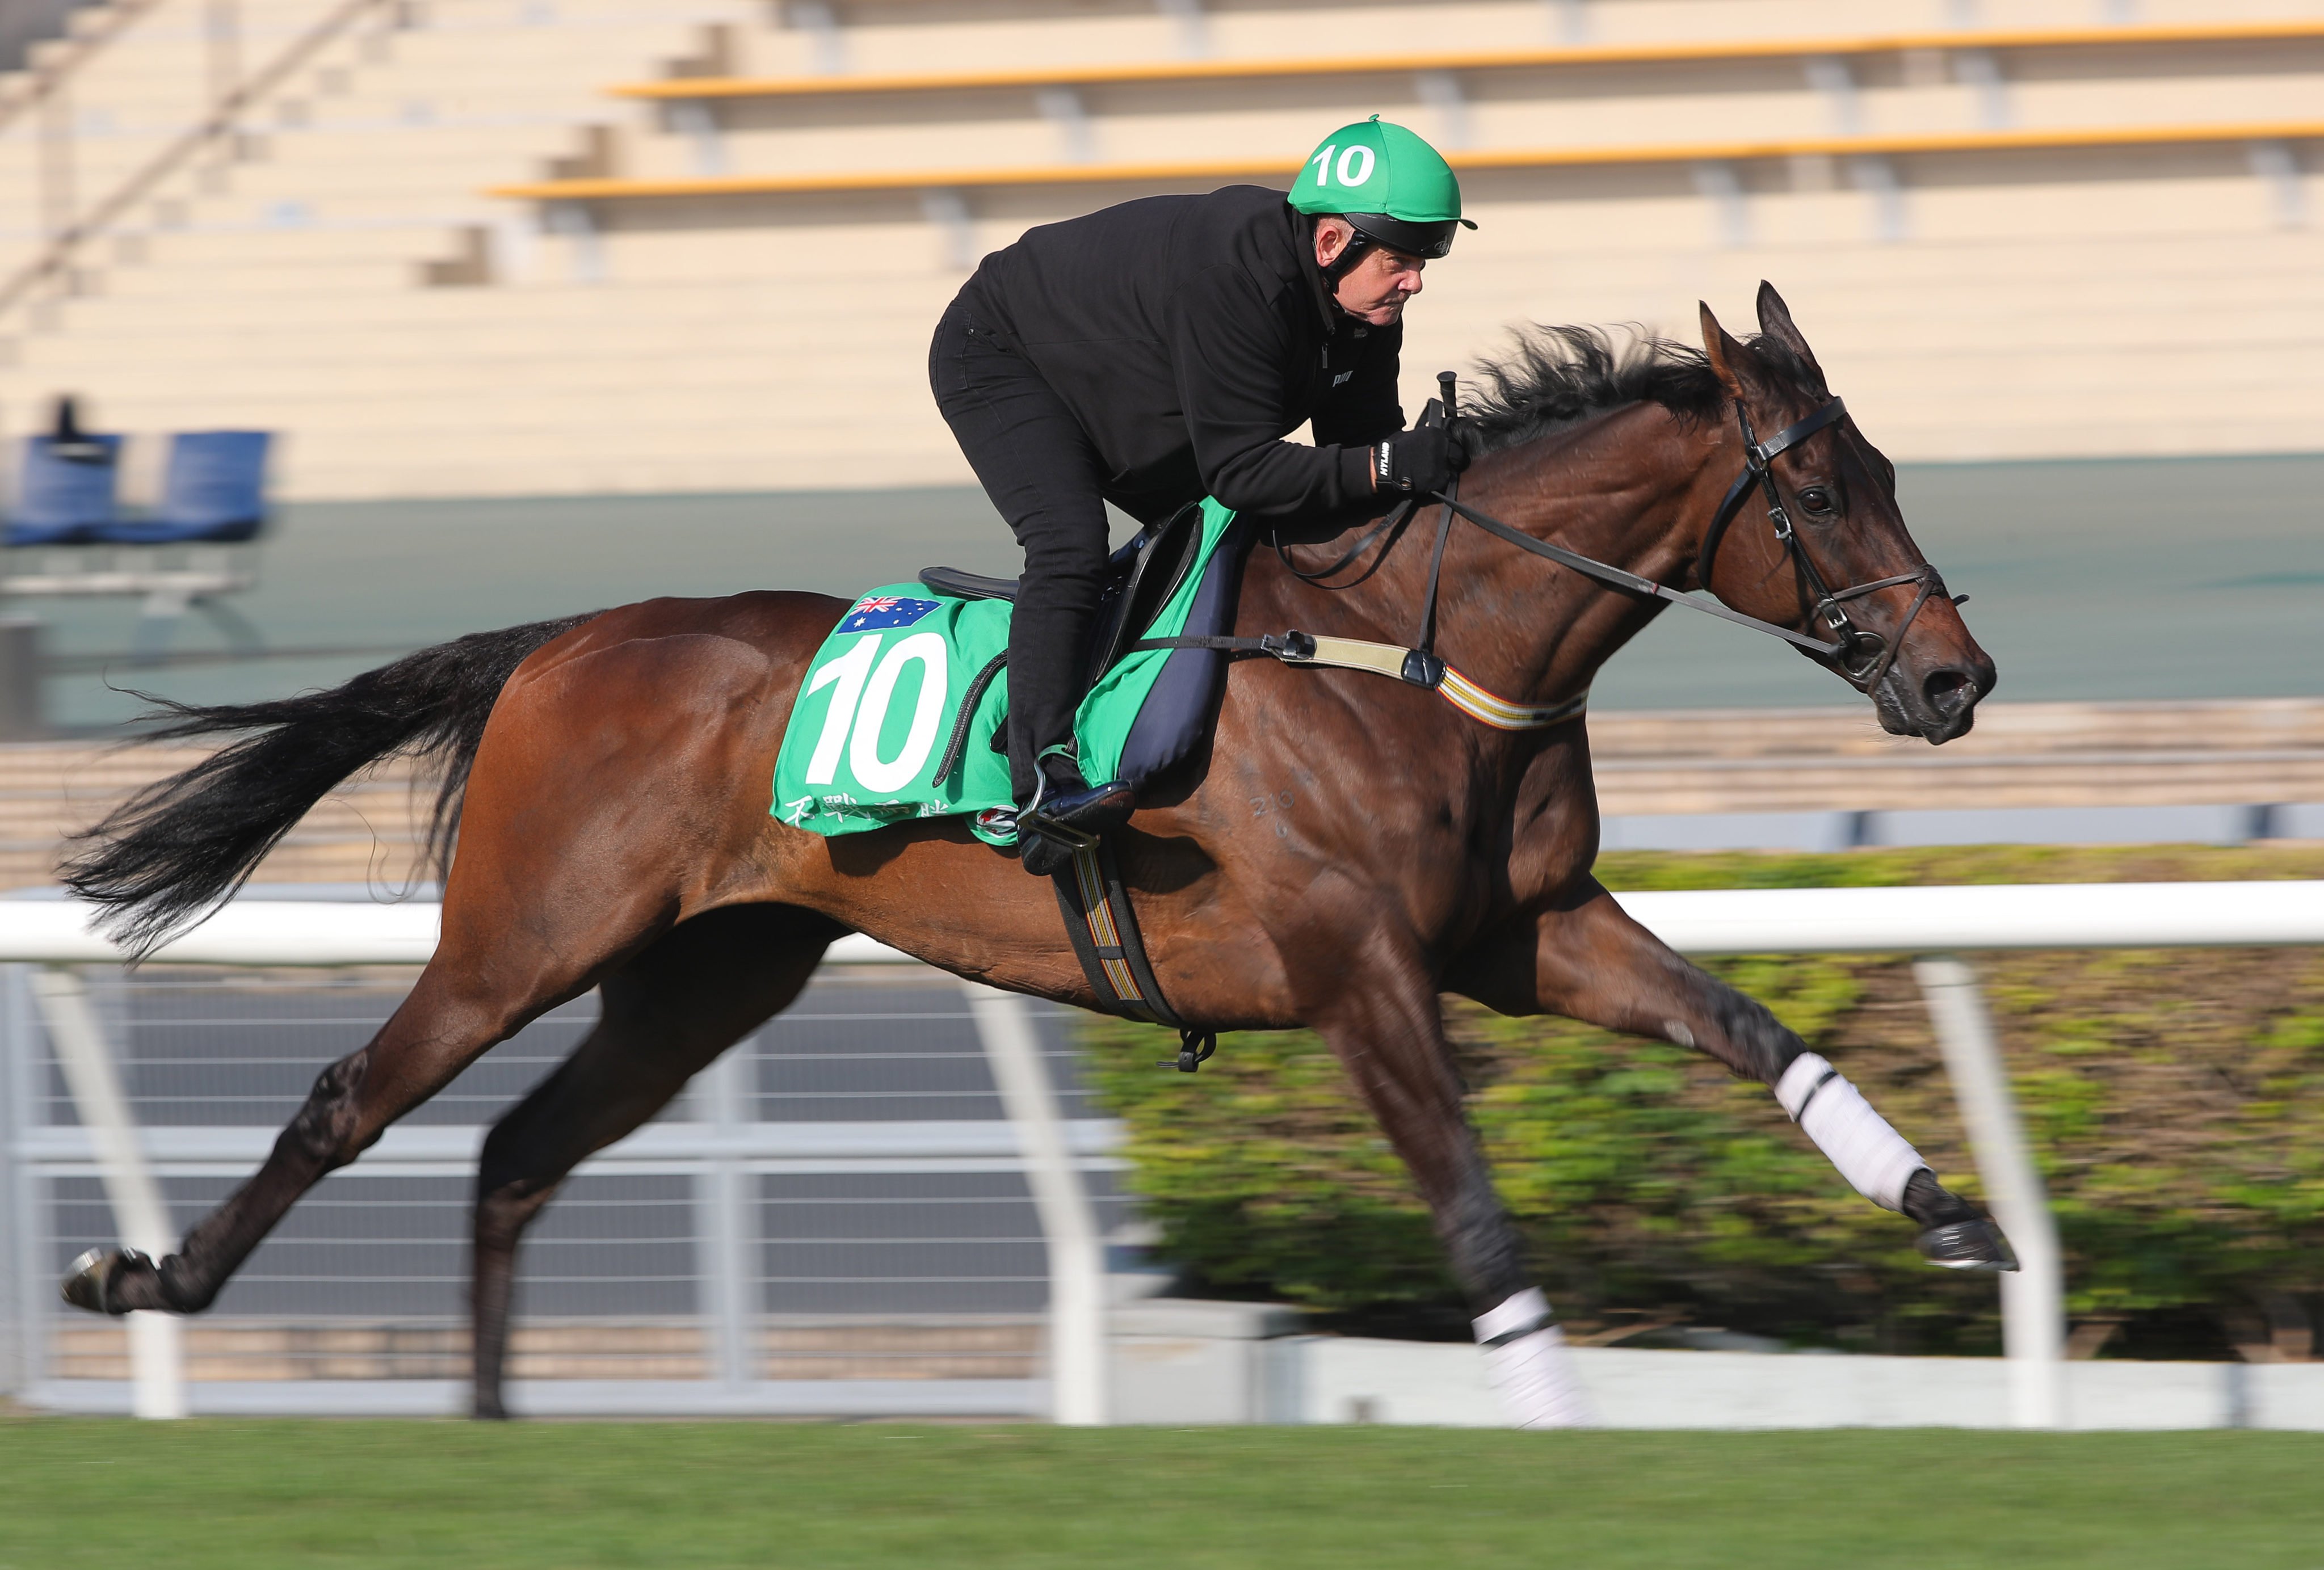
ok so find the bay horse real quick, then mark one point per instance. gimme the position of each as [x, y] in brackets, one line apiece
[1350, 848]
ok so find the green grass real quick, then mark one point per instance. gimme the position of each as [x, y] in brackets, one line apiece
[449, 1496]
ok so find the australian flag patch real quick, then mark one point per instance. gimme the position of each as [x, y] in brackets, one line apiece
[883, 610]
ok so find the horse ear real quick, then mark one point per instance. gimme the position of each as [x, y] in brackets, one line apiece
[1725, 352]
[1775, 321]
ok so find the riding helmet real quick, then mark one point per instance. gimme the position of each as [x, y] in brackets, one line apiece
[1393, 187]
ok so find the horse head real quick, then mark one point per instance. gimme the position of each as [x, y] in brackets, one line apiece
[1832, 556]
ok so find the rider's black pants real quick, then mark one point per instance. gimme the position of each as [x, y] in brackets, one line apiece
[1042, 473]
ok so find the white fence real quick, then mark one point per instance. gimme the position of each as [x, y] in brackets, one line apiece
[840, 1217]
[728, 1321]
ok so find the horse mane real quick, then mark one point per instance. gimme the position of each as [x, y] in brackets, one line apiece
[1555, 377]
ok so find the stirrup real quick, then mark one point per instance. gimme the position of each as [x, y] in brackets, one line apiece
[1041, 826]
[1048, 842]
[1045, 849]
[1051, 813]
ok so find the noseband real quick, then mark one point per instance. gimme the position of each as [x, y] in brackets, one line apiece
[1849, 643]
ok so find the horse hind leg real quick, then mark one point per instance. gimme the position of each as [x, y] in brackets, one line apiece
[667, 1014]
[480, 988]
[428, 1040]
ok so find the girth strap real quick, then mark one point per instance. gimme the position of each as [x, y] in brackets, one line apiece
[1103, 928]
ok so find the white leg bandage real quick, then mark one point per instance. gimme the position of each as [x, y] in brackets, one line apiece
[1869, 1154]
[1529, 1364]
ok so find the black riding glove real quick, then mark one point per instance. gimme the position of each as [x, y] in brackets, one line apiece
[1419, 462]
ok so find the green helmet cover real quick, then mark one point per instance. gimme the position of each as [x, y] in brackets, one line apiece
[1375, 167]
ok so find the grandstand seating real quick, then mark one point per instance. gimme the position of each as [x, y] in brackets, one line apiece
[67, 490]
[214, 491]
[1264, 166]
[2060, 236]
[69, 538]
[1689, 51]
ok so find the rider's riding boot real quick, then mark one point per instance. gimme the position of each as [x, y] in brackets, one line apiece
[1067, 812]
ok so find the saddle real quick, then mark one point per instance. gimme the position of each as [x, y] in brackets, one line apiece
[1144, 573]
[1147, 572]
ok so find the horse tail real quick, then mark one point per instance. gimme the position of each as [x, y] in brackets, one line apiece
[179, 848]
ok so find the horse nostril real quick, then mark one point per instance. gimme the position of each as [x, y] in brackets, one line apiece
[1950, 690]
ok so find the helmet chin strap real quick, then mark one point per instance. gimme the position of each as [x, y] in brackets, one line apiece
[1339, 266]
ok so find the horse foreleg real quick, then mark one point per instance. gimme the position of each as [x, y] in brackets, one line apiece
[1589, 962]
[1388, 1035]
[666, 1013]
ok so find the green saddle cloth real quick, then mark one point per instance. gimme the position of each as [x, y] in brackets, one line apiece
[879, 711]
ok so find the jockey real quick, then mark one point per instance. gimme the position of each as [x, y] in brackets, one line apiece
[1154, 353]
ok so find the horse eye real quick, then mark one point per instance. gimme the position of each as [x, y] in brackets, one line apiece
[1816, 499]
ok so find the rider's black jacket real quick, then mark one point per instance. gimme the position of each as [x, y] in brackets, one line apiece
[1190, 334]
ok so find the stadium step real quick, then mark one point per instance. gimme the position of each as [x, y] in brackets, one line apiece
[345, 280]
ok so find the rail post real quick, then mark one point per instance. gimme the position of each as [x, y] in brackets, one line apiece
[1078, 1346]
[19, 1311]
[2034, 1296]
[156, 1345]
[729, 1240]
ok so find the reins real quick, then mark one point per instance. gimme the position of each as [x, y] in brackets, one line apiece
[1758, 460]
[1420, 665]
[1417, 666]
[1620, 579]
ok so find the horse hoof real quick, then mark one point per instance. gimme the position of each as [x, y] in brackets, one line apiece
[1967, 1245]
[95, 1282]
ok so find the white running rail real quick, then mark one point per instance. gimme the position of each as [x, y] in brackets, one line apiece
[1929, 921]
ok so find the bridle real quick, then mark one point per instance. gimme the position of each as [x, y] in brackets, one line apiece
[1864, 658]
[1848, 639]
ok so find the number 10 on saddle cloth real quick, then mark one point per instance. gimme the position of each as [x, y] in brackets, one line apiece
[879, 711]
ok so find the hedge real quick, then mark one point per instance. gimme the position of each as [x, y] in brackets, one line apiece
[2175, 1099]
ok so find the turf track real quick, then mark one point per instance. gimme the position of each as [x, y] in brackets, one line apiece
[253, 1496]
